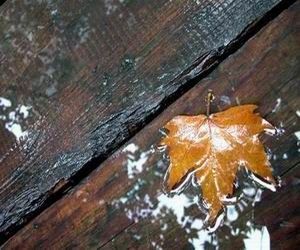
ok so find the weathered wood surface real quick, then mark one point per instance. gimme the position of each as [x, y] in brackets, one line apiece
[121, 205]
[282, 223]
[280, 211]
[81, 77]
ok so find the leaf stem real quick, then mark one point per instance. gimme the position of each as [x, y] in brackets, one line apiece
[209, 99]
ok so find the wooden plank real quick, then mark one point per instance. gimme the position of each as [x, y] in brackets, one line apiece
[264, 71]
[84, 76]
[283, 220]
[280, 224]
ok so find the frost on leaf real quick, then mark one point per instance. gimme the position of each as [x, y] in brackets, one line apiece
[212, 148]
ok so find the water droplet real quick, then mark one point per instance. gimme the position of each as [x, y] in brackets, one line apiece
[180, 187]
[264, 183]
[212, 228]
[161, 148]
[128, 63]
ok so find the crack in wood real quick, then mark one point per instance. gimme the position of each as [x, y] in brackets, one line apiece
[117, 234]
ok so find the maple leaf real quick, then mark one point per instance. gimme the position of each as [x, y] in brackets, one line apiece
[212, 148]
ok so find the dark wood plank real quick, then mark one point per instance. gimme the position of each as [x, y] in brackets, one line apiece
[92, 73]
[116, 206]
[280, 212]
[279, 224]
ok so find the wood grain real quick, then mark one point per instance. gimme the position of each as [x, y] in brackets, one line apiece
[120, 206]
[283, 220]
[91, 74]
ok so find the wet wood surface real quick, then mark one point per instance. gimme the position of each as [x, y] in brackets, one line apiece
[79, 78]
[121, 204]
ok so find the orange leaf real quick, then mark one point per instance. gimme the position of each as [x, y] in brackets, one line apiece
[212, 148]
